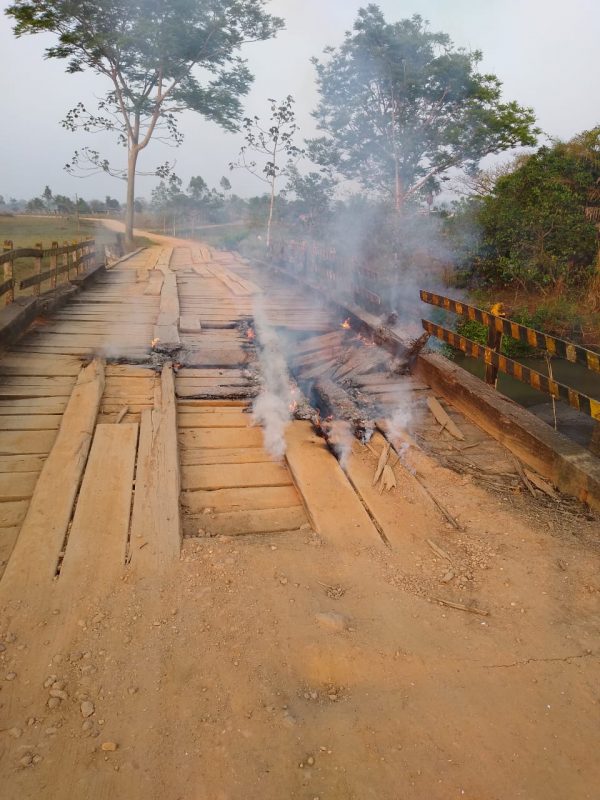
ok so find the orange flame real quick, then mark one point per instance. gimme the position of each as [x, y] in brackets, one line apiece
[154, 342]
[346, 324]
[250, 334]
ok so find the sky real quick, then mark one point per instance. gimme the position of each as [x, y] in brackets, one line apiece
[545, 52]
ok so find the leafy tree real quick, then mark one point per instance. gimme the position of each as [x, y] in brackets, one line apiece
[36, 204]
[400, 106]
[225, 184]
[64, 205]
[47, 196]
[267, 146]
[314, 195]
[160, 58]
[536, 230]
[197, 188]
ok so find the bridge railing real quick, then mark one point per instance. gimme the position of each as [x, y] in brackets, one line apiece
[66, 260]
[499, 326]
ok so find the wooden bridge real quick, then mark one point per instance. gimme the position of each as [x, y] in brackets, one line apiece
[184, 614]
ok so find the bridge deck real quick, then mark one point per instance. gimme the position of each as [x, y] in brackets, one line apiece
[291, 643]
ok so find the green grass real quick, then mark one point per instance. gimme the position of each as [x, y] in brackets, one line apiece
[28, 231]
[25, 231]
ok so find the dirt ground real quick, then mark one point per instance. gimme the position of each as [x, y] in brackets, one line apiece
[319, 663]
[303, 666]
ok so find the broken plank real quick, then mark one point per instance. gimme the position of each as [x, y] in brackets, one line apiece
[96, 545]
[155, 522]
[33, 561]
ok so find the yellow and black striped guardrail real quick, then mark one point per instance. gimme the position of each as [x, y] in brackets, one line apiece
[542, 341]
[522, 373]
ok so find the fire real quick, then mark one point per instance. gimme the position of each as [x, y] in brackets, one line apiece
[154, 342]
[250, 334]
[346, 324]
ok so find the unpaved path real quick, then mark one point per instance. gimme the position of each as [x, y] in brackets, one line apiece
[312, 663]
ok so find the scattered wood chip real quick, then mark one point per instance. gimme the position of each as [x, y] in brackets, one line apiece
[439, 505]
[438, 550]
[444, 420]
[524, 477]
[121, 414]
[382, 462]
[541, 484]
[388, 479]
[461, 607]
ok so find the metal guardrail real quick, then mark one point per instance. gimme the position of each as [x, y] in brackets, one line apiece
[542, 341]
[495, 362]
[74, 256]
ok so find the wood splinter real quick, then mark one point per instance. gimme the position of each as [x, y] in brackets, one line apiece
[121, 414]
[461, 607]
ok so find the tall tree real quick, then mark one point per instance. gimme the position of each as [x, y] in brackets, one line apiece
[160, 58]
[401, 105]
[269, 152]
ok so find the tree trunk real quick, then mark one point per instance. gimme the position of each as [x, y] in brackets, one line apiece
[130, 210]
[270, 222]
[398, 193]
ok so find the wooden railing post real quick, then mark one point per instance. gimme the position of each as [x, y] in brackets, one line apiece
[54, 266]
[65, 258]
[38, 269]
[9, 271]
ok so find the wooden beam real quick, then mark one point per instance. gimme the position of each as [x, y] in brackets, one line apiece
[155, 524]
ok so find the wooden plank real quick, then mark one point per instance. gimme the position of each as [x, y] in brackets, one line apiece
[8, 537]
[12, 513]
[29, 422]
[19, 486]
[189, 323]
[97, 541]
[243, 499]
[33, 562]
[240, 523]
[329, 497]
[21, 463]
[226, 455]
[239, 420]
[222, 437]
[228, 476]
[26, 442]
[155, 523]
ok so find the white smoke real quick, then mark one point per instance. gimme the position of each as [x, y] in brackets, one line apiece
[271, 409]
[341, 439]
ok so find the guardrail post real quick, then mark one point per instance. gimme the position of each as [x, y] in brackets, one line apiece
[494, 342]
[54, 265]
[38, 269]
[9, 271]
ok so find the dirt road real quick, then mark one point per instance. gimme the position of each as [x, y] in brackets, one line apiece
[305, 659]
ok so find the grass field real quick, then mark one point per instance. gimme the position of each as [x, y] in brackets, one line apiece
[27, 231]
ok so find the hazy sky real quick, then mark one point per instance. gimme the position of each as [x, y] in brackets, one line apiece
[544, 51]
